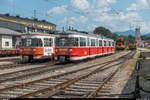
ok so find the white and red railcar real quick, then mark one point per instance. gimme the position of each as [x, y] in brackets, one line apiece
[78, 46]
[37, 46]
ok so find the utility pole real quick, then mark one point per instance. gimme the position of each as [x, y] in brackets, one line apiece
[13, 7]
[34, 13]
[138, 36]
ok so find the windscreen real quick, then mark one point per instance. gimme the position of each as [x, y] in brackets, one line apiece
[67, 41]
[32, 42]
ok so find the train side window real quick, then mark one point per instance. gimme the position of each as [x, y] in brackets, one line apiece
[76, 44]
[88, 42]
[113, 44]
[29, 41]
[40, 44]
[109, 43]
[104, 43]
[100, 43]
[93, 42]
[82, 42]
[97, 42]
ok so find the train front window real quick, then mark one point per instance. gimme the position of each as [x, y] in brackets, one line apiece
[67, 41]
[32, 42]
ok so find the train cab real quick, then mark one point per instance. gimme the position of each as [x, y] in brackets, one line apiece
[37, 46]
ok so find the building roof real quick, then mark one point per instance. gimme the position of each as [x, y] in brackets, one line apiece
[26, 19]
[37, 34]
[8, 32]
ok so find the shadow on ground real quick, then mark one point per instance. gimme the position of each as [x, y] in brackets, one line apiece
[144, 81]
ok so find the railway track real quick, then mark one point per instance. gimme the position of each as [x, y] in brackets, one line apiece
[19, 64]
[36, 87]
[9, 58]
[91, 86]
[33, 71]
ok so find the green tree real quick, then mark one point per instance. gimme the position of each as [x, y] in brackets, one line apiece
[102, 31]
[105, 32]
[145, 38]
[131, 39]
[114, 36]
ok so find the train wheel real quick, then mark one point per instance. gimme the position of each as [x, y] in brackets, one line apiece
[26, 59]
[30, 58]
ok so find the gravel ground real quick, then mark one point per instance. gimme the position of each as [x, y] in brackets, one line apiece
[89, 63]
[22, 67]
[121, 79]
[6, 62]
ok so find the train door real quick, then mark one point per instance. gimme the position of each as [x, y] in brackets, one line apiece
[48, 46]
[88, 46]
[93, 47]
[100, 48]
[105, 47]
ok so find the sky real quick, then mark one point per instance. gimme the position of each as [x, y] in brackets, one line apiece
[85, 15]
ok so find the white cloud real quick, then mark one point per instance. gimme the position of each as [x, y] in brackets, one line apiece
[91, 27]
[83, 19]
[69, 21]
[80, 4]
[145, 27]
[139, 5]
[118, 22]
[58, 10]
[72, 20]
[102, 3]
[112, 1]
[100, 14]
[132, 7]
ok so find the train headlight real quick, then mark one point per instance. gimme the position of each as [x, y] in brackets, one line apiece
[21, 51]
[56, 50]
[70, 50]
[33, 50]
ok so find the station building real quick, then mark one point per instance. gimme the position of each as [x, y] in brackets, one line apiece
[9, 39]
[26, 25]
[12, 27]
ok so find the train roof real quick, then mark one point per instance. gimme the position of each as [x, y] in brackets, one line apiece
[5, 31]
[37, 34]
[83, 34]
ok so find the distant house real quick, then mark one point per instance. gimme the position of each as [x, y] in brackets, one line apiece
[9, 39]
[146, 43]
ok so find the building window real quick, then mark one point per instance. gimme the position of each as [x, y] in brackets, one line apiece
[6, 43]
